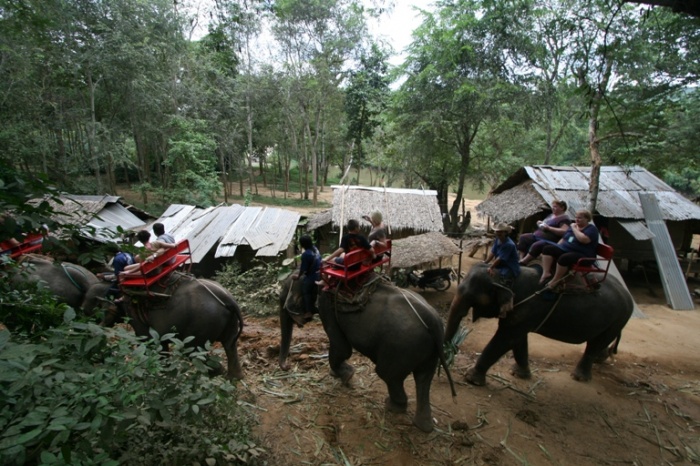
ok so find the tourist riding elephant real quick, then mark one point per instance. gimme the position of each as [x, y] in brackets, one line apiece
[68, 282]
[398, 330]
[596, 317]
[197, 308]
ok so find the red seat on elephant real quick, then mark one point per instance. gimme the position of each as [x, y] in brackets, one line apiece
[594, 272]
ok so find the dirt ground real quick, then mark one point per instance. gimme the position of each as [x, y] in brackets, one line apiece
[641, 408]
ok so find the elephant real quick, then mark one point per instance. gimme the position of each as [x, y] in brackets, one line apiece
[68, 282]
[192, 307]
[397, 329]
[596, 317]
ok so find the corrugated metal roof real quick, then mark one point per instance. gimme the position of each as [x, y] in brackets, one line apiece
[618, 195]
[401, 209]
[267, 230]
[672, 278]
[103, 213]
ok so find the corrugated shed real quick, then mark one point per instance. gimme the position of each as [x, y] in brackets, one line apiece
[412, 209]
[618, 196]
[267, 230]
[104, 214]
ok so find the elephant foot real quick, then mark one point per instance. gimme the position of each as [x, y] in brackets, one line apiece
[424, 423]
[474, 377]
[581, 375]
[284, 365]
[521, 372]
[344, 373]
[394, 407]
[602, 356]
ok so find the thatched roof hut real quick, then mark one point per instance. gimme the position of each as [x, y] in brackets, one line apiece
[527, 194]
[403, 209]
[421, 249]
[621, 216]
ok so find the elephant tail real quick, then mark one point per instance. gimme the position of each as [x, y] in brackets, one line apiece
[443, 363]
[438, 333]
[612, 349]
[226, 300]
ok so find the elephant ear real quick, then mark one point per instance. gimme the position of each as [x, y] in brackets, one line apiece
[294, 302]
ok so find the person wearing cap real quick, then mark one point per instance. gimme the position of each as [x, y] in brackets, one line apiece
[503, 259]
[580, 241]
[504, 265]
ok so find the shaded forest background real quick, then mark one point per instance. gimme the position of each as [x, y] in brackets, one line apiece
[195, 103]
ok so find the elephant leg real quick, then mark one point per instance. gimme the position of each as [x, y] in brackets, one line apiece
[583, 369]
[497, 347]
[286, 330]
[521, 368]
[424, 417]
[340, 349]
[596, 351]
[234, 364]
[343, 371]
[397, 401]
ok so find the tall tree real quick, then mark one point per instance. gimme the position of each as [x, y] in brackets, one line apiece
[366, 98]
[456, 81]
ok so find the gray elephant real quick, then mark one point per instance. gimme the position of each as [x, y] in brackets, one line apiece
[68, 282]
[197, 308]
[398, 330]
[595, 317]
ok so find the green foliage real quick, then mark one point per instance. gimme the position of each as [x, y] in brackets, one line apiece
[89, 395]
[256, 290]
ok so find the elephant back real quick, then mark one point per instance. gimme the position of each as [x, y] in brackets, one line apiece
[352, 297]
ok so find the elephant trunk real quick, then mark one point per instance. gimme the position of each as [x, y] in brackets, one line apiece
[458, 310]
[286, 325]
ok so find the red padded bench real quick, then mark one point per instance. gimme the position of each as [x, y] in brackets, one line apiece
[356, 262]
[31, 243]
[599, 266]
[149, 272]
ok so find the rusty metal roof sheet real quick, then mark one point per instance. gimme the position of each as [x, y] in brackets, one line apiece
[105, 214]
[618, 196]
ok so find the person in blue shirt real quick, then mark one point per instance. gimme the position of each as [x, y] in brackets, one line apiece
[504, 264]
[309, 272]
[503, 258]
[119, 262]
[580, 241]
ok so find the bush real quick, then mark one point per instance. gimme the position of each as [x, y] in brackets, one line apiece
[256, 290]
[27, 307]
[89, 395]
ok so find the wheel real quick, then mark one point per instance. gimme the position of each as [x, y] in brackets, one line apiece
[441, 284]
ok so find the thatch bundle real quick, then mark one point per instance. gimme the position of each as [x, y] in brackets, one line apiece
[413, 209]
[421, 249]
[514, 204]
